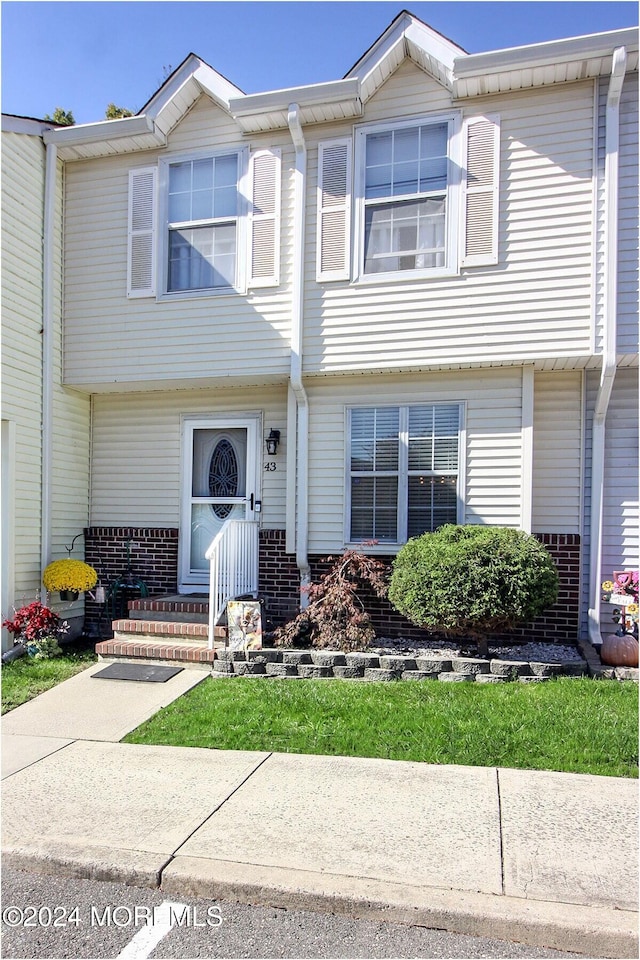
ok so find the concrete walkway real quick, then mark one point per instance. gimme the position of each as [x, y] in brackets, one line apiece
[545, 858]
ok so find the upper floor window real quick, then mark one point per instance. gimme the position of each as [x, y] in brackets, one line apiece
[202, 214]
[408, 197]
[405, 198]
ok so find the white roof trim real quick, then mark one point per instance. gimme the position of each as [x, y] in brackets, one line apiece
[213, 83]
[397, 42]
[318, 102]
[29, 125]
[541, 54]
[103, 130]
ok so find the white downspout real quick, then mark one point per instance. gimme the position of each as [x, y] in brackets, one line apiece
[47, 356]
[609, 320]
[299, 456]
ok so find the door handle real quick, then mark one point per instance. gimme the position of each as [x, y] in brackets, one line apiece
[251, 502]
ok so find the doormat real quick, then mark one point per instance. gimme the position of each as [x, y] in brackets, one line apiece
[147, 672]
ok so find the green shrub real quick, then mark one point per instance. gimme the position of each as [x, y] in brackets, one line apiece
[473, 581]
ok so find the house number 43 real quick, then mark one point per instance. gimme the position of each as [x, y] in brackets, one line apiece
[270, 466]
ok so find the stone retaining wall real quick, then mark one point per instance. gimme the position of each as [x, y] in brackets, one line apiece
[325, 664]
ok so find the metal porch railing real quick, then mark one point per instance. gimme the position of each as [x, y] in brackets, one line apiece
[233, 566]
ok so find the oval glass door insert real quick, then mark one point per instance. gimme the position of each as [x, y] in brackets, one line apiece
[223, 476]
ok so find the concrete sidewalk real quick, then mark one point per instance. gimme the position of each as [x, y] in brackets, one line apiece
[544, 858]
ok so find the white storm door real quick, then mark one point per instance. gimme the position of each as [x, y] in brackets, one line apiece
[220, 483]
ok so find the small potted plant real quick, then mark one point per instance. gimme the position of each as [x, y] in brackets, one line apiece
[38, 629]
[69, 577]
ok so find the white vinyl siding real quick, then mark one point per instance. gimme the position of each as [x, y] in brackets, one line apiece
[621, 514]
[628, 220]
[22, 318]
[557, 453]
[481, 188]
[264, 218]
[333, 241]
[490, 455]
[136, 452]
[22, 218]
[535, 306]
[191, 342]
[141, 276]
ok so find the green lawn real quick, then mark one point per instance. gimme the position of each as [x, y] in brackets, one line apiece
[578, 725]
[24, 679]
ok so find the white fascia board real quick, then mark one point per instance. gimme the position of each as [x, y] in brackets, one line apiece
[14, 124]
[334, 91]
[103, 130]
[213, 83]
[541, 54]
[433, 43]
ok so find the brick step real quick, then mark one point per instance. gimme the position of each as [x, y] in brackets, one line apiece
[165, 651]
[173, 616]
[167, 630]
[185, 606]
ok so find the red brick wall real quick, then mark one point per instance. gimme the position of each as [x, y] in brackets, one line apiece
[279, 584]
[154, 560]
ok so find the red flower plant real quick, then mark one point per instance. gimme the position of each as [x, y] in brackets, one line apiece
[34, 622]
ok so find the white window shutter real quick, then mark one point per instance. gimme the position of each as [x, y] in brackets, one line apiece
[141, 273]
[481, 184]
[264, 219]
[334, 210]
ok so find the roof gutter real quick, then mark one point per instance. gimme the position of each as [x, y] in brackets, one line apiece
[298, 402]
[609, 334]
[47, 357]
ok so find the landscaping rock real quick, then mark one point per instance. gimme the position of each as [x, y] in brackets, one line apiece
[510, 669]
[266, 655]
[533, 679]
[547, 669]
[398, 663]
[376, 673]
[456, 677]
[433, 664]
[249, 668]
[326, 658]
[348, 673]
[282, 670]
[470, 665]
[494, 678]
[222, 666]
[627, 673]
[363, 660]
[418, 675]
[296, 656]
[574, 668]
[230, 656]
[310, 671]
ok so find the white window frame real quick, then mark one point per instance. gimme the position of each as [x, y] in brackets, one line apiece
[240, 284]
[389, 546]
[452, 193]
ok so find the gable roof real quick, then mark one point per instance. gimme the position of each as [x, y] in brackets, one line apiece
[464, 75]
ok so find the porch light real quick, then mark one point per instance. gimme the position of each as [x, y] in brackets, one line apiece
[272, 442]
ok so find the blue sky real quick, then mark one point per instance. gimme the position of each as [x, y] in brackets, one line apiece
[81, 56]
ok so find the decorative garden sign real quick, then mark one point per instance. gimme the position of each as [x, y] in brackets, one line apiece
[244, 621]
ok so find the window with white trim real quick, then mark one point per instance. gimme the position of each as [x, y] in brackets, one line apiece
[408, 197]
[202, 223]
[404, 470]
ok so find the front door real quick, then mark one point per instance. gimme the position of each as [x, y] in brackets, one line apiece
[220, 480]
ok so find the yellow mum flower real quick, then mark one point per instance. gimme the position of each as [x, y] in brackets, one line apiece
[632, 608]
[608, 585]
[71, 575]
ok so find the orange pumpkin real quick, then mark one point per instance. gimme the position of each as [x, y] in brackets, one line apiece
[620, 650]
